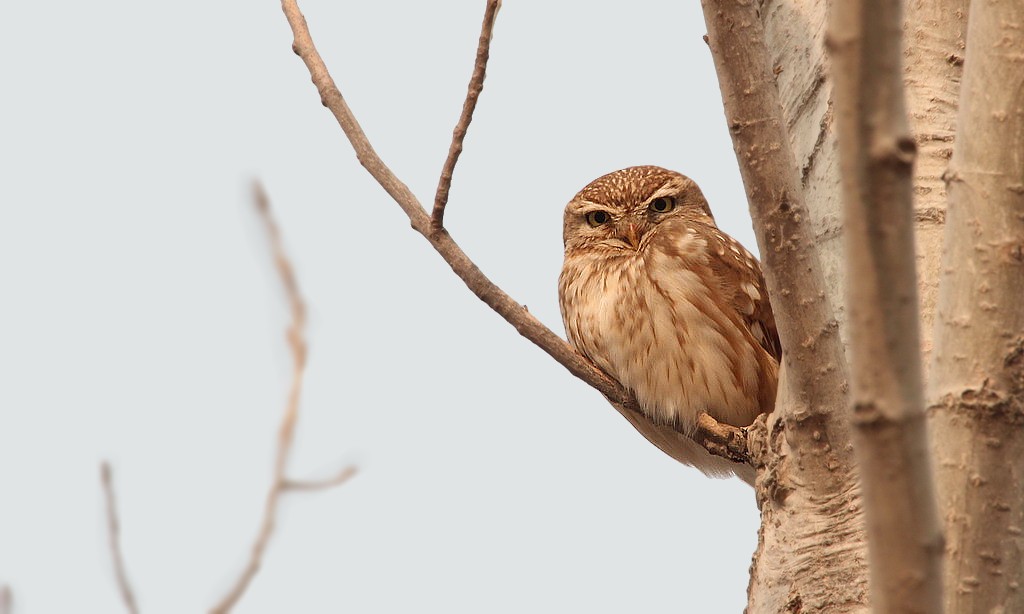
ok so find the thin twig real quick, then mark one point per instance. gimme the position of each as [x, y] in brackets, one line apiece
[513, 313]
[476, 85]
[340, 478]
[286, 430]
[114, 535]
[287, 274]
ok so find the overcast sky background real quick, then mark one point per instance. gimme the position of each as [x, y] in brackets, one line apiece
[143, 322]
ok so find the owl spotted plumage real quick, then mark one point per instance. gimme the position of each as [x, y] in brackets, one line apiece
[673, 308]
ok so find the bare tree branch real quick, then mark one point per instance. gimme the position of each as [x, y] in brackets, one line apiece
[513, 313]
[114, 535]
[286, 431]
[476, 85]
[877, 157]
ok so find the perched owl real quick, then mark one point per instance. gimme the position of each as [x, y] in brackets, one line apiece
[660, 299]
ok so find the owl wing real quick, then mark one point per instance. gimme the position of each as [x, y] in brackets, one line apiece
[743, 284]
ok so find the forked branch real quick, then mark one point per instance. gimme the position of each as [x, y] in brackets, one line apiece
[476, 85]
[514, 313]
[280, 483]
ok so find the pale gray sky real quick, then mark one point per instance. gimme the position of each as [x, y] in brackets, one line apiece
[142, 321]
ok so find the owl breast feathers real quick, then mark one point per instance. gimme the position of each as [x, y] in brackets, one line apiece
[671, 307]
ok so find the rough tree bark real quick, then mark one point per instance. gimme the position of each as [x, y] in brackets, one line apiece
[977, 386]
[933, 58]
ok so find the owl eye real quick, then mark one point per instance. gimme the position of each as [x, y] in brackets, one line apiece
[596, 218]
[663, 204]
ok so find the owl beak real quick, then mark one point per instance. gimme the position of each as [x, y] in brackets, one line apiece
[632, 235]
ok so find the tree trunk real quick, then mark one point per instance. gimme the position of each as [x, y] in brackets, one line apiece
[977, 387]
[811, 555]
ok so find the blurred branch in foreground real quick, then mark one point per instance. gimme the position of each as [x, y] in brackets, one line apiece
[114, 533]
[6, 600]
[280, 483]
[286, 431]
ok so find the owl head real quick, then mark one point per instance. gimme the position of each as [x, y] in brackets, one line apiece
[622, 211]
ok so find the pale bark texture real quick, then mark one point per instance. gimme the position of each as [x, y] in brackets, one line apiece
[876, 159]
[977, 384]
[933, 56]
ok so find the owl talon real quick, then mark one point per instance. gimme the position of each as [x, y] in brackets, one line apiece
[722, 440]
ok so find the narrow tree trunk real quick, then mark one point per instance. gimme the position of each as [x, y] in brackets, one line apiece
[977, 380]
[810, 554]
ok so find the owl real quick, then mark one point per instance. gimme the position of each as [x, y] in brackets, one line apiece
[655, 295]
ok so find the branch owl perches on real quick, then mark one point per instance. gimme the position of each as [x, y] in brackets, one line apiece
[720, 439]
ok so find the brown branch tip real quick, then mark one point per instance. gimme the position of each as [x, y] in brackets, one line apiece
[476, 85]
